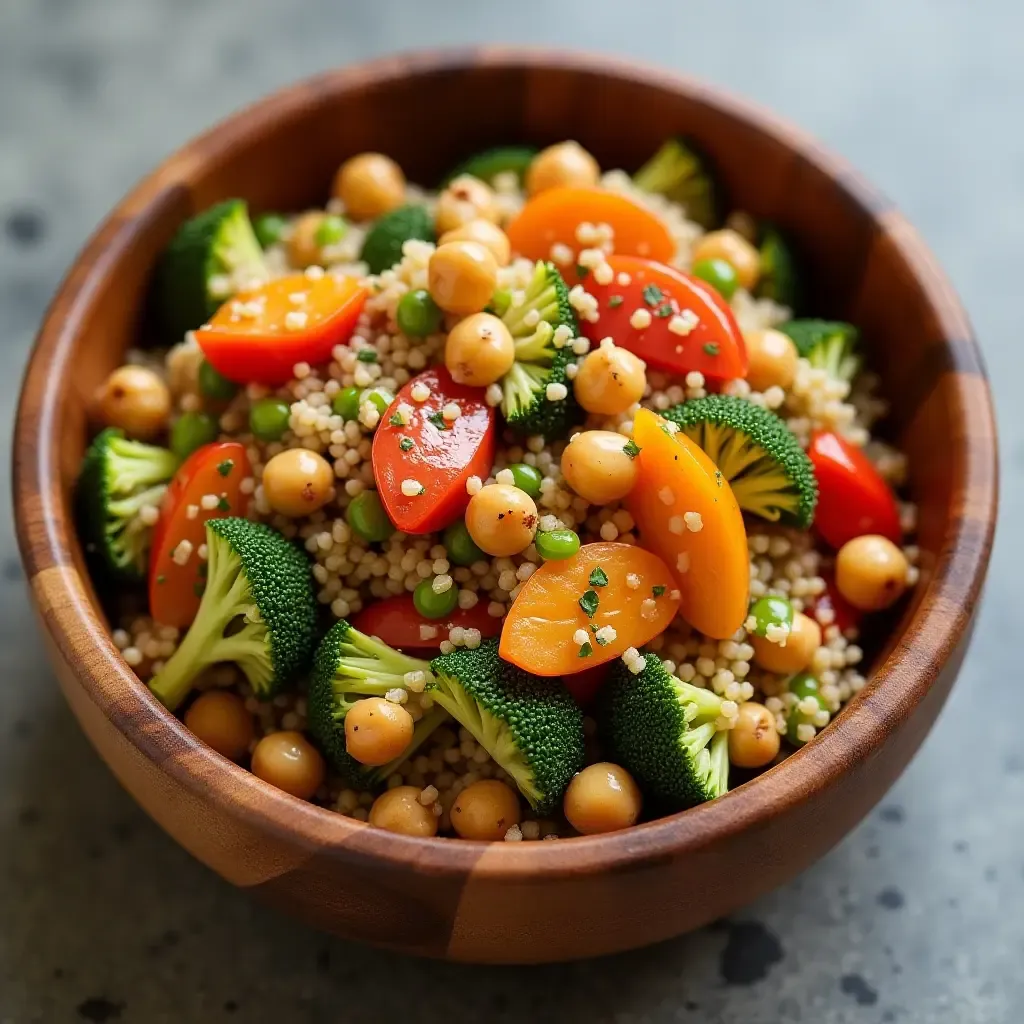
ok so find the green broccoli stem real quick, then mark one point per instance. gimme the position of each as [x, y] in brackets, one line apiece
[421, 732]
[364, 657]
[718, 780]
[707, 704]
[127, 508]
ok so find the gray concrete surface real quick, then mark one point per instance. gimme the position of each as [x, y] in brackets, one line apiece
[916, 917]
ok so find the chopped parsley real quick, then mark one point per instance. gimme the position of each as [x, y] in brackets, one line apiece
[581, 270]
[711, 348]
[438, 420]
[224, 505]
[664, 310]
[396, 420]
[405, 444]
[161, 580]
[367, 355]
[718, 477]
[600, 642]
[588, 602]
[225, 467]
[599, 578]
[631, 448]
[658, 590]
[586, 650]
[198, 589]
[615, 301]
[652, 295]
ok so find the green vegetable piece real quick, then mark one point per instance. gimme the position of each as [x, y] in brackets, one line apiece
[331, 230]
[432, 605]
[586, 649]
[500, 302]
[557, 544]
[658, 590]
[118, 479]
[383, 245]
[461, 548]
[771, 611]
[652, 294]
[589, 602]
[269, 228]
[346, 404]
[418, 315]
[598, 578]
[380, 398]
[679, 171]
[192, 430]
[407, 444]
[491, 162]
[829, 345]
[631, 448]
[213, 385]
[718, 273]
[258, 612]
[530, 726]
[779, 280]
[802, 685]
[527, 478]
[367, 518]
[199, 269]
[664, 732]
[770, 473]
[269, 418]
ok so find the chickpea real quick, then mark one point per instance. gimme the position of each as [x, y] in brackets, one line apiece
[479, 350]
[220, 720]
[732, 247]
[803, 640]
[871, 572]
[597, 468]
[370, 184]
[303, 247]
[399, 810]
[485, 810]
[561, 165]
[289, 761]
[462, 276]
[602, 798]
[754, 739]
[486, 233]
[610, 380]
[464, 200]
[501, 519]
[136, 400]
[772, 357]
[377, 731]
[297, 482]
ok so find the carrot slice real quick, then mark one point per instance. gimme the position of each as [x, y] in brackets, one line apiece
[637, 600]
[554, 215]
[708, 556]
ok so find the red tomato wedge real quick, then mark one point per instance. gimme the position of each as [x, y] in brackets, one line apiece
[219, 469]
[714, 345]
[259, 336]
[845, 615]
[396, 621]
[553, 216]
[853, 499]
[586, 685]
[427, 450]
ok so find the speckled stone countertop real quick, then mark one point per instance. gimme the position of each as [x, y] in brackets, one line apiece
[915, 917]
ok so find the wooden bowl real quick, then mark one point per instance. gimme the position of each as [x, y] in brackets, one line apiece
[522, 902]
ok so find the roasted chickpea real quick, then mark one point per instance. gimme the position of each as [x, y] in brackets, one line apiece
[479, 350]
[501, 519]
[732, 247]
[562, 165]
[377, 731]
[597, 467]
[289, 761]
[485, 810]
[754, 739]
[465, 199]
[370, 184]
[602, 798]
[610, 380]
[871, 572]
[486, 233]
[803, 640]
[773, 357]
[462, 276]
[304, 249]
[297, 482]
[220, 720]
[399, 810]
[136, 400]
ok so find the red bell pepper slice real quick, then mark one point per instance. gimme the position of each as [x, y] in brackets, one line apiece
[584, 686]
[845, 616]
[396, 621]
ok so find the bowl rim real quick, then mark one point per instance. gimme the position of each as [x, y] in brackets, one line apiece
[46, 539]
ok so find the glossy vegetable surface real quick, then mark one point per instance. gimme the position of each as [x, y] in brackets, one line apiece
[397, 622]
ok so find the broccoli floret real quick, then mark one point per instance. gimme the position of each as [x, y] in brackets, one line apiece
[665, 733]
[530, 726]
[769, 472]
[348, 667]
[540, 361]
[829, 345]
[780, 280]
[681, 173]
[382, 247]
[488, 164]
[258, 611]
[119, 478]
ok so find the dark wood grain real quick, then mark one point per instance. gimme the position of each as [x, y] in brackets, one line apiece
[528, 901]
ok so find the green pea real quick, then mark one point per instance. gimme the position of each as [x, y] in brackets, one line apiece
[557, 544]
[771, 611]
[461, 548]
[268, 228]
[368, 519]
[500, 301]
[418, 314]
[433, 605]
[381, 398]
[527, 478]
[719, 274]
[214, 385]
[192, 430]
[331, 231]
[805, 685]
[346, 404]
[268, 418]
